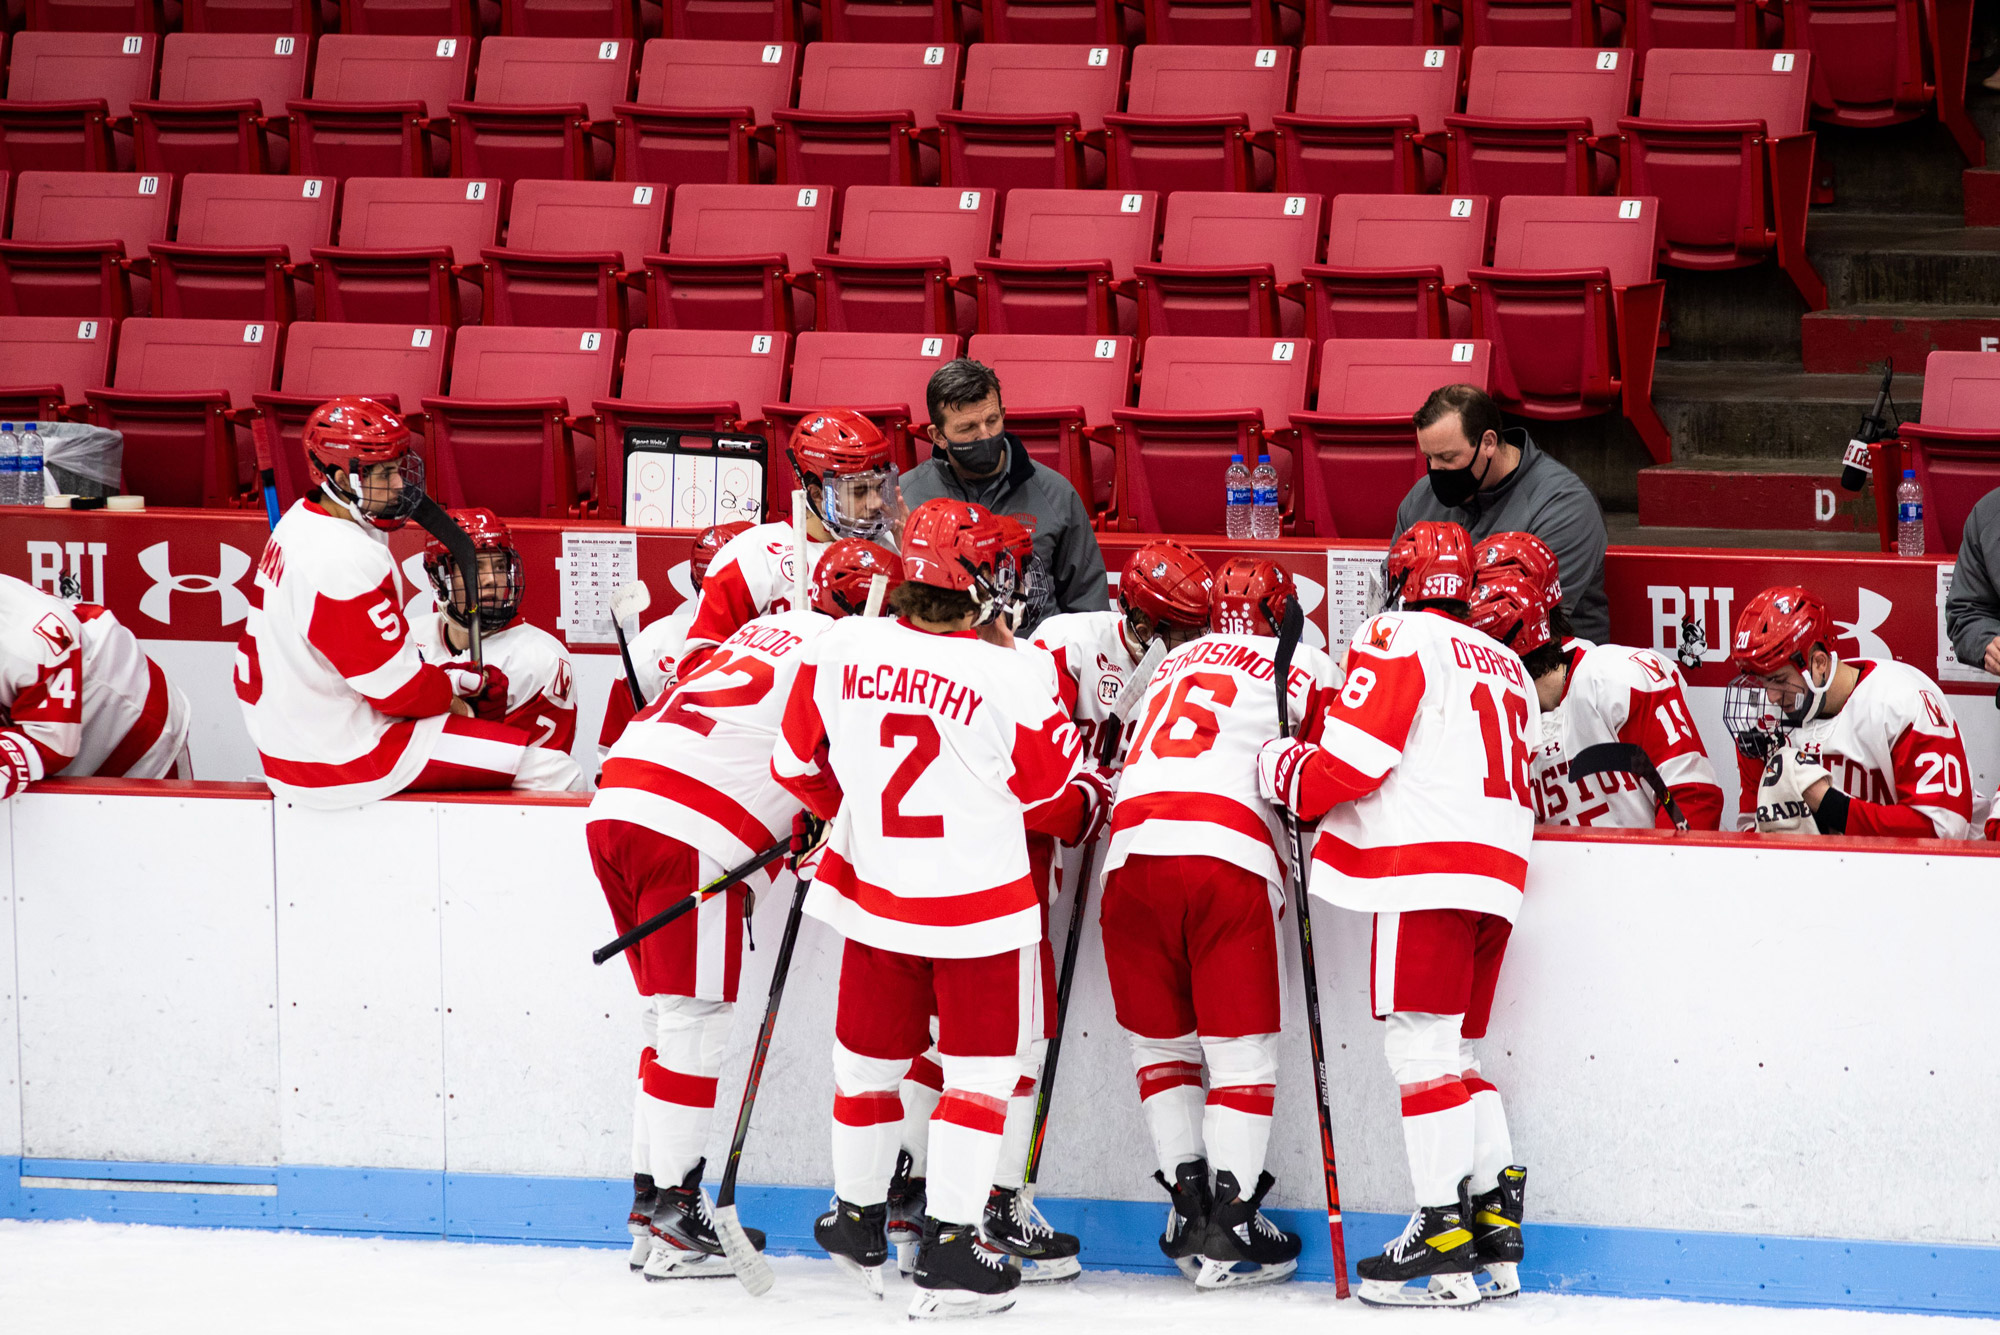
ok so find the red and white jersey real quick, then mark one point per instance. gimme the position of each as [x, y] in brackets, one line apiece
[656, 654]
[752, 576]
[1894, 744]
[939, 744]
[135, 721]
[1190, 783]
[1425, 753]
[339, 703]
[41, 678]
[695, 764]
[1092, 661]
[541, 682]
[1617, 694]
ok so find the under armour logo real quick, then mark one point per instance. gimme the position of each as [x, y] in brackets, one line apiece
[157, 602]
[1871, 609]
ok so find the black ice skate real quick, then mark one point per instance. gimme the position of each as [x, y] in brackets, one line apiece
[906, 1212]
[1496, 1233]
[683, 1244]
[959, 1275]
[1187, 1217]
[855, 1236]
[1435, 1247]
[1016, 1227]
[639, 1223]
[1243, 1247]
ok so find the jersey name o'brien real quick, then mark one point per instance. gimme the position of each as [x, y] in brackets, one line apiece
[913, 686]
[1478, 658]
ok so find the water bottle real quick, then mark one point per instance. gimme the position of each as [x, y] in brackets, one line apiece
[1910, 515]
[1264, 499]
[31, 467]
[10, 465]
[1236, 498]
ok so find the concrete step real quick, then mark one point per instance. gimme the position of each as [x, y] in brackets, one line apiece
[1982, 197]
[1792, 495]
[1745, 410]
[1862, 338]
[1914, 167]
[1625, 530]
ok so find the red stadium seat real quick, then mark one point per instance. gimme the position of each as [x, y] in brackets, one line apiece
[252, 16]
[1692, 25]
[407, 251]
[1226, 258]
[1061, 392]
[48, 361]
[380, 106]
[221, 101]
[1200, 118]
[1539, 121]
[503, 437]
[1392, 261]
[1368, 119]
[240, 244]
[575, 253]
[1067, 260]
[1220, 22]
[739, 257]
[1882, 62]
[906, 260]
[1378, 23]
[69, 99]
[1954, 445]
[1106, 22]
[1573, 310]
[699, 111]
[1358, 451]
[410, 18]
[184, 398]
[1032, 116]
[541, 108]
[569, 18]
[687, 380]
[80, 242]
[397, 364]
[1536, 23]
[1200, 401]
[880, 375]
[119, 16]
[1721, 138]
[867, 114]
[732, 20]
[890, 20]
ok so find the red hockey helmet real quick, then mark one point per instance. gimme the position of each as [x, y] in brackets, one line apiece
[1512, 609]
[707, 543]
[957, 545]
[1430, 562]
[842, 460]
[1523, 554]
[501, 581]
[1780, 628]
[841, 580]
[1250, 596]
[1167, 585]
[345, 440]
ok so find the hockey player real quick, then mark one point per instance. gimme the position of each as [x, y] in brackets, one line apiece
[1193, 898]
[843, 464]
[1867, 747]
[926, 746]
[1526, 555]
[1591, 696]
[687, 793]
[340, 705]
[530, 681]
[1419, 766]
[78, 696]
[656, 650]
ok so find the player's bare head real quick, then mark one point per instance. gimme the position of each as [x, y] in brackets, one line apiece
[1784, 647]
[1430, 567]
[843, 464]
[1166, 590]
[706, 544]
[362, 454]
[501, 581]
[957, 547]
[847, 571]
[1249, 597]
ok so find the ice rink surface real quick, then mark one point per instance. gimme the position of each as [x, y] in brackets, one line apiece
[83, 1278]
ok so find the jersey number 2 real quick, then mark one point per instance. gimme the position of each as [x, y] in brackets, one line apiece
[923, 735]
[1506, 752]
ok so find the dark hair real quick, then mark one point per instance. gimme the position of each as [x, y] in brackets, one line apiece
[928, 602]
[1541, 662]
[1477, 413]
[956, 384]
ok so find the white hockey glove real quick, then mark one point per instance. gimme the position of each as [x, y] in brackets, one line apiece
[1279, 762]
[1781, 797]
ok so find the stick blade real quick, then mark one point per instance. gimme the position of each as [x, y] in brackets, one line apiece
[1290, 628]
[629, 601]
[752, 1271]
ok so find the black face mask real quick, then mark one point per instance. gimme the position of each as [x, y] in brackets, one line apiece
[1455, 486]
[977, 458]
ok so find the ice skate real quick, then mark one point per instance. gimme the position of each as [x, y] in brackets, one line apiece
[906, 1213]
[639, 1223]
[1187, 1217]
[1242, 1247]
[1016, 1227]
[1435, 1247]
[958, 1275]
[1496, 1234]
[855, 1236]
[682, 1242]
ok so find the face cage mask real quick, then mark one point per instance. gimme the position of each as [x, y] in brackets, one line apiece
[863, 505]
[496, 610]
[410, 467]
[1754, 721]
[1798, 705]
[1031, 599]
[992, 591]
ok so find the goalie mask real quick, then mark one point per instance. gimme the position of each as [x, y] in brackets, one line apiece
[501, 584]
[958, 545]
[1777, 635]
[843, 463]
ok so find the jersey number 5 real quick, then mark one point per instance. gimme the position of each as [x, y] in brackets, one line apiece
[1506, 747]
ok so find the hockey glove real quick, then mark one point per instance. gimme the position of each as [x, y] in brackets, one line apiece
[808, 842]
[14, 765]
[1781, 797]
[1279, 763]
[484, 689]
[1100, 794]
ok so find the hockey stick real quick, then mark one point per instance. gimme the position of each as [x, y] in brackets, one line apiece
[1288, 643]
[630, 600]
[745, 1260]
[734, 876]
[432, 517]
[1628, 758]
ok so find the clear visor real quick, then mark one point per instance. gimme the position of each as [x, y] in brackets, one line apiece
[864, 505]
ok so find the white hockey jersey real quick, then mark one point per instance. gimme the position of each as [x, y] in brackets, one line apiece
[1189, 788]
[1423, 771]
[41, 684]
[751, 576]
[1092, 661]
[339, 703]
[541, 682]
[656, 654]
[1618, 694]
[135, 721]
[933, 747]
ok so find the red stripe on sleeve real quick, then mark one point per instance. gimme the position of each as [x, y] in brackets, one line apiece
[725, 607]
[358, 635]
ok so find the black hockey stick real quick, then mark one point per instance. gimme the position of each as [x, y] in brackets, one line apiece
[1628, 758]
[734, 876]
[465, 556]
[629, 601]
[1288, 643]
[745, 1260]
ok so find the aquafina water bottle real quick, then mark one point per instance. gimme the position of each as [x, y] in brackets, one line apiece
[1236, 498]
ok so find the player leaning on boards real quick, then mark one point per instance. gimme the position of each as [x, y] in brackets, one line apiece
[1867, 747]
[1417, 772]
[341, 707]
[925, 746]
